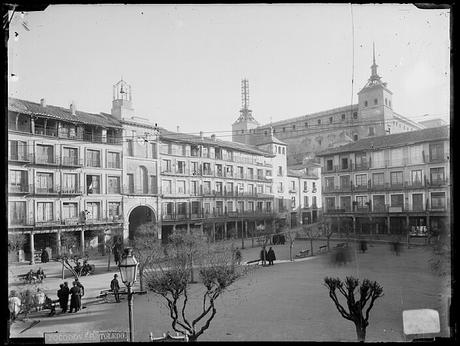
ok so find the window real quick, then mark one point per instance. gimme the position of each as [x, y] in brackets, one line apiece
[240, 172]
[329, 181]
[93, 210]
[251, 206]
[206, 187]
[44, 154]
[181, 167]
[180, 184]
[93, 158]
[18, 181]
[371, 131]
[93, 184]
[279, 150]
[166, 186]
[361, 201]
[153, 150]
[378, 179]
[229, 206]
[194, 188]
[251, 189]
[416, 154]
[207, 168]
[345, 203]
[219, 207]
[355, 137]
[204, 152]
[284, 150]
[397, 200]
[280, 187]
[129, 147]
[306, 124]
[260, 174]
[229, 171]
[168, 208]
[195, 168]
[437, 175]
[361, 179]
[70, 156]
[361, 161]
[313, 201]
[355, 115]
[375, 101]
[417, 202]
[194, 151]
[438, 200]
[113, 185]
[319, 121]
[365, 103]
[344, 162]
[284, 129]
[416, 177]
[268, 189]
[331, 119]
[17, 213]
[280, 171]
[44, 182]
[379, 202]
[345, 181]
[113, 160]
[260, 188]
[436, 151]
[17, 150]
[229, 188]
[130, 182]
[69, 211]
[250, 173]
[219, 187]
[293, 127]
[70, 182]
[166, 166]
[293, 202]
[305, 186]
[313, 187]
[389, 102]
[268, 206]
[195, 207]
[153, 184]
[396, 157]
[292, 186]
[44, 211]
[386, 101]
[218, 153]
[396, 178]
[329, 165]
[305, 202]
[378, 160]
[330, 203]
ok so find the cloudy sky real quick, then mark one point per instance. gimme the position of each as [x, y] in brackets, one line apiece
[185, 63]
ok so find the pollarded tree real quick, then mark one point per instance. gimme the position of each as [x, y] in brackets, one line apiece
[311, 233]
[169, 279]
[146, 248]
[357, 312]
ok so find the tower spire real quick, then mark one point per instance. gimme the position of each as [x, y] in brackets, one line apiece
[245, 112]
[373, 52]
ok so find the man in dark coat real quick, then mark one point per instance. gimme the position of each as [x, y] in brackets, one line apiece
[116, 255]
[65, 293]
[59, 294]
[271, 256]
[45, 257]
[82, 292]
[75, 298]
[115, 287]
[263, 255]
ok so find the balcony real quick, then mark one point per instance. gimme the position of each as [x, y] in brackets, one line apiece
[44, 160]
[361, 166]
[47, 190]
[106, 220]
[23, 158]
[438, 182]
[414, 185]
[70, 191]
[292, 190]
[361, 187]
[131, 190]
[18, 189]
[71, 162]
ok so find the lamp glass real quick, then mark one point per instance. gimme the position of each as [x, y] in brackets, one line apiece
[128, 269]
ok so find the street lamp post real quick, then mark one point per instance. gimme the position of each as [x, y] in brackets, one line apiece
[128, 272]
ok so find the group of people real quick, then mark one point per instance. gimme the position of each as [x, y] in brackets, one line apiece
[76, 293]
[268, 256]
[38, 275]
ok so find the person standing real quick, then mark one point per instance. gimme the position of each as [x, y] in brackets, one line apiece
[115, 287]
[82, 292]
[14, 305]
[65, 296]
[59, 295]
[75, 298]
[45, 257]
[271, 256]
[116, 255]
[263, 255]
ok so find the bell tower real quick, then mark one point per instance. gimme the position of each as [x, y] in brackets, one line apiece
[122, 106]
[243, 126]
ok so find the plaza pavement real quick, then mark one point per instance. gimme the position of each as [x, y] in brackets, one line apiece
[287, 301]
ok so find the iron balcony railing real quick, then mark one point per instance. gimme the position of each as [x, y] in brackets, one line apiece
[71, 161]
[19, 157]
[18, 189]
[131, 190]
[217, 213]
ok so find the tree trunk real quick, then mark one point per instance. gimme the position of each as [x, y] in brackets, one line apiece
[360, 332]
[141, 277]
[311, 246]
[108, 260]
[290, 252]
[62, 272]
[328, 249]
[192, 280]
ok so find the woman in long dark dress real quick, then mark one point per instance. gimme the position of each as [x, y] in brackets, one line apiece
[271, 256]
[75, 298]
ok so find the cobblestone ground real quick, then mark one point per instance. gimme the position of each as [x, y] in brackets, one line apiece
[286, 301]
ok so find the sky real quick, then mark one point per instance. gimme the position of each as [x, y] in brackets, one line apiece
[185, 62]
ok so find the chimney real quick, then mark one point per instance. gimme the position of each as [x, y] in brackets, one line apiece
[72, 108]
[213, 137]
[201, 134]
[43, 102]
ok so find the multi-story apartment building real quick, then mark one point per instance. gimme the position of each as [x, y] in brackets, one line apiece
[64, 174]
[306, 135]
[304, 186]
[222, 187]
[387, 184]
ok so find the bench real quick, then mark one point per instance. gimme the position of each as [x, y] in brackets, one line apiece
[302, 253]
[323, 248]
[29, 279]
[339, 245]
[106, 293]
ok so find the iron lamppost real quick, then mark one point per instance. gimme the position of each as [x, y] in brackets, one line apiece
[128, 271]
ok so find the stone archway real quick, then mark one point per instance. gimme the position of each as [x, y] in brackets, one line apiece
[140, 215]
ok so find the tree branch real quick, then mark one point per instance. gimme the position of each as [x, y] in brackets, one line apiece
[338, 306]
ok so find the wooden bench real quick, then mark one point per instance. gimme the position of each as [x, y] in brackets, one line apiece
[323, 248]
[339, 245]
[302, 253]
[29, 279]
[123, 291]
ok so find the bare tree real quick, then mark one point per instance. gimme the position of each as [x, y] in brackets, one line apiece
[311, 233]
[16, 242]
[170, 280]
[357, 312]
[191, 244]
[328, 232]
[146, 247]
[291, 235]
[72, 262]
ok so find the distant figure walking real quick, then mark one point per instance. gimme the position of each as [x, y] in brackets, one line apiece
[116, 255]
[65, 293]
[45, 257]
[75, 298]
[271, 256]
[396, 247]
[115, 287]
[363, 246]
[263, 255]
[14, 305]
[238, 256]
